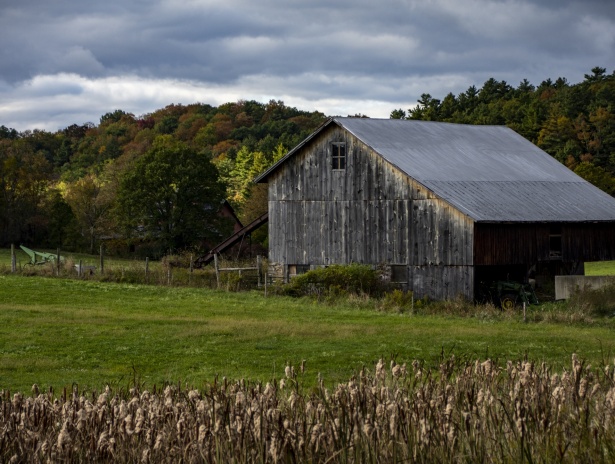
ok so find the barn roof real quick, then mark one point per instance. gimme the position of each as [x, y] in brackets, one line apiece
[490, 173]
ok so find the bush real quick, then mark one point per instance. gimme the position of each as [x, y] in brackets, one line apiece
[597, 302]
[337, 281]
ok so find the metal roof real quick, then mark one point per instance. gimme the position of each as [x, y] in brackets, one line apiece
[490, 173]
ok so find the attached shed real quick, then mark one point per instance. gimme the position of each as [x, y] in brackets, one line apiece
[441, 206]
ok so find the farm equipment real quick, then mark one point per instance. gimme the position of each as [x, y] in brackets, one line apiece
[510, 294]
[38, 257]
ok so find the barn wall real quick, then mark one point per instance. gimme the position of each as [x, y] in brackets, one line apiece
[506, 244]
[368, 213]
[442, 254]
[588, 242]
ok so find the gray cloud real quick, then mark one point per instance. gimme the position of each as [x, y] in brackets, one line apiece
[355, 53]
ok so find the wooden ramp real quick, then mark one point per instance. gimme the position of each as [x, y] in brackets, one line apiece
[232, 240]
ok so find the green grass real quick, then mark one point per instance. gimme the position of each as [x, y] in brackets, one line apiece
[58, 332]
[600, 268]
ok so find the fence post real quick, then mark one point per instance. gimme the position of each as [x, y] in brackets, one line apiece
[13, 259]
[217, 270]
[102, 260]
[169, 276]
[80, 268]
[258, 269]
[147, 270]
[58, 262]
[266, 270]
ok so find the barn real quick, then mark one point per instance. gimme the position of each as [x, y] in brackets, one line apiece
[440, 207]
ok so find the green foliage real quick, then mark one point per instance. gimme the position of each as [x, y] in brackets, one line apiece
[597, 176]
[24, 177]
[398, 300]
[335, 281]
[171, 194]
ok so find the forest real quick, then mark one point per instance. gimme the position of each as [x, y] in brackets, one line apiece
[154, 183]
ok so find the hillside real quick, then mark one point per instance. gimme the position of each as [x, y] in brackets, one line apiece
[152, 181]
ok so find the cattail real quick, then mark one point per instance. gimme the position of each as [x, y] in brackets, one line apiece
[17, 399]
[380, 371]
[159, 442]
[315, 433]
[102, 399]
[140, 419]
[202, 433]
[583, 388]
[595, 390]
[64, 439]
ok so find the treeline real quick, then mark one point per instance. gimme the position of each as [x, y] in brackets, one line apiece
[573, 123]
[157, 180]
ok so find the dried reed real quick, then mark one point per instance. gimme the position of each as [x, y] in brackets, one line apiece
[459, 411]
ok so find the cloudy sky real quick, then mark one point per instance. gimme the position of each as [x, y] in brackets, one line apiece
[71, 61]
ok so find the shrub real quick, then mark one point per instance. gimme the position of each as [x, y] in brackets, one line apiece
[337, 281]
[598, 302]
[398, 300]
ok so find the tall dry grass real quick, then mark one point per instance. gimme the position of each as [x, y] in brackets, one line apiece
[460, 411]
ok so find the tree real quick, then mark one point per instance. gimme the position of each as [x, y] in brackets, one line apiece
[24, 176]
[88, 206]
[427, 109]
[597, 176]
[172, 194]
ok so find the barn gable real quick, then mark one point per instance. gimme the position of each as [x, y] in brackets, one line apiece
[432, 201]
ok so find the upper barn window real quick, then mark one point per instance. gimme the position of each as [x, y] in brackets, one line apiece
[338, 155]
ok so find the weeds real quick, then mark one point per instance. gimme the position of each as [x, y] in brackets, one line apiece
[597, 302]
[457, 411]
[337, 281]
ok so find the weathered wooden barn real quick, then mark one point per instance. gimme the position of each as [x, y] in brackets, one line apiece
[441, 206]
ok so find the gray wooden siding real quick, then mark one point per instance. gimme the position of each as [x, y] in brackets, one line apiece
[368, 213]
[443, 282]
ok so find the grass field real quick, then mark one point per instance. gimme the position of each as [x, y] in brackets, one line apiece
[58, 332]
[600, 268]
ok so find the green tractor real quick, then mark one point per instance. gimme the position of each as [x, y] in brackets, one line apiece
[510, 294]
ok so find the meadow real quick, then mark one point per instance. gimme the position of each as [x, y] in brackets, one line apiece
[63, 332]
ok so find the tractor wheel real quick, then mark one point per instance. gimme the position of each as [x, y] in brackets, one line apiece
[508, 301]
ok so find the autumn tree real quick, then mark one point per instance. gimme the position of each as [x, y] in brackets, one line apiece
[24, 176]
[89, 206]
[172, 195]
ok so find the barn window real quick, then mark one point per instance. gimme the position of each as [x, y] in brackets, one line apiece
[555, 241]
[297, 269]
[338, 155]
[399, 273]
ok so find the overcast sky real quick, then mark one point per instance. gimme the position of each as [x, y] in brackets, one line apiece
[68, 62]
